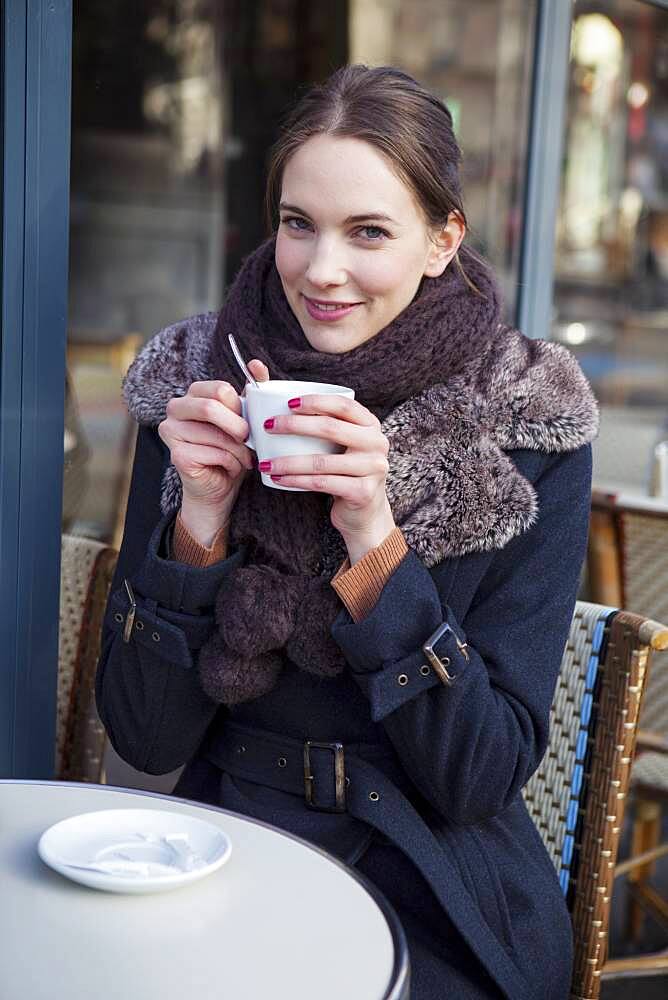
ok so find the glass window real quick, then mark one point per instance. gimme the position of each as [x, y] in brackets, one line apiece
[611, 289]
[146, 219]
[175, 104]
[477, 57]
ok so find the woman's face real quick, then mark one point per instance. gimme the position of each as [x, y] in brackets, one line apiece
[353, 243]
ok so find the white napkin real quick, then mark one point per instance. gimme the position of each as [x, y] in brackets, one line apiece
[181, 858]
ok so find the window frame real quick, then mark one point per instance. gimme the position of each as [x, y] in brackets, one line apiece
[35, 85]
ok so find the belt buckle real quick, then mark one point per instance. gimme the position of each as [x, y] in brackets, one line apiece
[339, 776]
[438, 666]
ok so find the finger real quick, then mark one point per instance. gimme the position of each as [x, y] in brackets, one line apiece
[223, 391]
[349, 464]
[337, 406]
[211, 410]
[193, 459]
[199, 432]
[356, 490]
[330, 428]
[214, 389]
[259, 370]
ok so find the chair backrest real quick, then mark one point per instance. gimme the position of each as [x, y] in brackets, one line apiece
[577, 796]
[637, 531]
[87, 568]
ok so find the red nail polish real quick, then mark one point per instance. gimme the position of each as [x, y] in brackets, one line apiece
[276, 478]
[269, 423]
[264, 466]
[294, 403]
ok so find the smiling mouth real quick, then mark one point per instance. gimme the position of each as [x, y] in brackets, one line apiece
[321, 309]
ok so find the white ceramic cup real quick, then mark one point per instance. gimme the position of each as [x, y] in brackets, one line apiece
[270, 399]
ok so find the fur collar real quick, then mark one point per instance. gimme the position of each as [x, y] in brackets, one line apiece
[452, 488]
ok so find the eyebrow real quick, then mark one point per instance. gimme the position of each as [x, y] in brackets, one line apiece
[365, 217]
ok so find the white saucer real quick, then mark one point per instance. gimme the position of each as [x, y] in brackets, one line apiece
[134, 850]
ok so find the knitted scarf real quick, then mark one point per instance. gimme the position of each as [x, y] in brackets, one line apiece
[453, 388]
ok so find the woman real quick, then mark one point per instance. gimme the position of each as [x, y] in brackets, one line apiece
[454, 516]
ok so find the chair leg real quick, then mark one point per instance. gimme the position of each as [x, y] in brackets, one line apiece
[646, 835]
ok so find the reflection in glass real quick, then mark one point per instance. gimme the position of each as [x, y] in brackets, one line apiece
[611, 291]
[477, 56]
[146, 210]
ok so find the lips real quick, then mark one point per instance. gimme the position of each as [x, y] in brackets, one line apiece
[326, 311]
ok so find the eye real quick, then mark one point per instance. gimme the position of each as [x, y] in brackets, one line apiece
[373, 233]
[296, 223]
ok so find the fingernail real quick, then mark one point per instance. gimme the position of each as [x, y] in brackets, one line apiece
[276, 478]
[264, 466]
[269, 423]
[294, 403]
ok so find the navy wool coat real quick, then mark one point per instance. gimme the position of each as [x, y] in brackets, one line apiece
[482, 908]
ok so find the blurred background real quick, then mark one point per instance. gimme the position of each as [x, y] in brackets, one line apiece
[175, 104]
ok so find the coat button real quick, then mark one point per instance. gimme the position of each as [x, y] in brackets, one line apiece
[402, 679]
[155, 637]
[425, 670]
[139, 626]
[118, 617]
[282, 761]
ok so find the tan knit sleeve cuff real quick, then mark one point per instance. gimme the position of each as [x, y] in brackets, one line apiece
[360, 586]
[186, 549]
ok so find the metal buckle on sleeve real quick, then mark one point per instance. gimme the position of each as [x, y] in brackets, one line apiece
[339, 776]
[440, 667]
[130, 617]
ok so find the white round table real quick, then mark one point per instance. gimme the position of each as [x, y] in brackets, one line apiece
[280, 919]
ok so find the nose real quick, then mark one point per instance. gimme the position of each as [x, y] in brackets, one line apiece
[327, 264]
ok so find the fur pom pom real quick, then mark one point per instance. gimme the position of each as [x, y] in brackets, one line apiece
[311, 646]
[256, 609]
[230, 678]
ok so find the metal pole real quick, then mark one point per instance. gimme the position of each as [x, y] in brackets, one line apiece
[548, 103]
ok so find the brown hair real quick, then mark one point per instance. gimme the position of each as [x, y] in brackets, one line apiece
[390, 110]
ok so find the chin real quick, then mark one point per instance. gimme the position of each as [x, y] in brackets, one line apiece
[331, 341]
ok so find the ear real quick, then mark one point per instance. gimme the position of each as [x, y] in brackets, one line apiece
[445, 243]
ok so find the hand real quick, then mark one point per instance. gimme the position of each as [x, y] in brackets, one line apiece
[355, 478]
[205, 434]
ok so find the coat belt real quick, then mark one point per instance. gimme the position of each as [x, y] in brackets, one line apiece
[334, 777]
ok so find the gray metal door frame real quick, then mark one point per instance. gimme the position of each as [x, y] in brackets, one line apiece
[36, 70]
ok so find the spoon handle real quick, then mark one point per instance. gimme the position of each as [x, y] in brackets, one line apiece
[240, 361]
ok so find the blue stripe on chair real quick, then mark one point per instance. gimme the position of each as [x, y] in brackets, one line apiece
[577, 784]
[599, 629]
[585, 708]
[572, 816]
[567, 850]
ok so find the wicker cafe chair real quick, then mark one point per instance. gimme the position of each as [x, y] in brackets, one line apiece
[577, 796]
[628, 563]
[87, 568]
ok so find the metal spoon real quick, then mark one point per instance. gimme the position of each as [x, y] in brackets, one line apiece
[240, 361]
